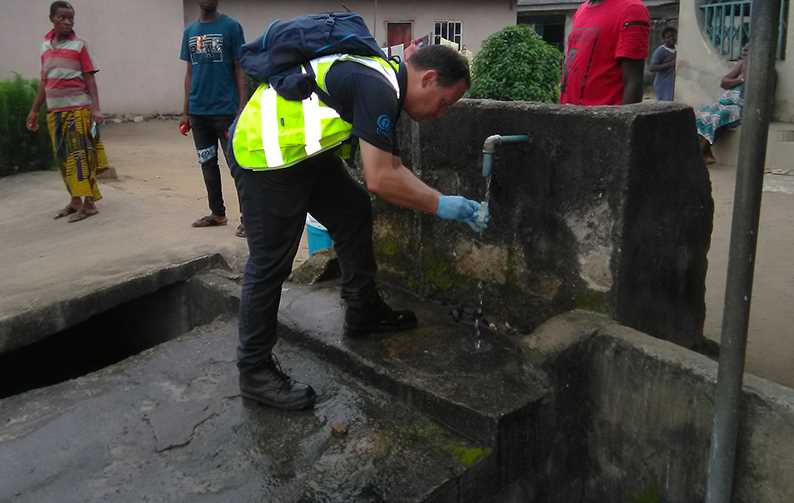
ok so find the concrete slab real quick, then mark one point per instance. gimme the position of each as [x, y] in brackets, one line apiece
[491, 397]
[20, 329]
[433, 367]
[46, 262]
[168, 425]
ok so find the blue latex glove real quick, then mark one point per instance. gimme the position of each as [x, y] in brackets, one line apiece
[463, 210]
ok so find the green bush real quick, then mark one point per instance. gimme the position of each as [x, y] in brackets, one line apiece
[516, 64]
[21, 150]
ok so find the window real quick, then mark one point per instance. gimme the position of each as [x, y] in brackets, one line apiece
[550, 28]
[450, 30]
[727, 25]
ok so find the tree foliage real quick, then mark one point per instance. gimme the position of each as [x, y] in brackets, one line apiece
[516, 64]
[21, 150]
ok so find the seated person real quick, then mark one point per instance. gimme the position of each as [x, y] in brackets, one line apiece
[727, 112]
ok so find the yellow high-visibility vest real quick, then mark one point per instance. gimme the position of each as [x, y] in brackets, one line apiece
[273, 132]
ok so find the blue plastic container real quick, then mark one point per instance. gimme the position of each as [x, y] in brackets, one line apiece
[317, 236]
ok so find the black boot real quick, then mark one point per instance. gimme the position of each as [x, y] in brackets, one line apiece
[269, 385]
[374, 316]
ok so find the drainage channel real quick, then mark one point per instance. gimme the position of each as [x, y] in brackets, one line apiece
[107, 338]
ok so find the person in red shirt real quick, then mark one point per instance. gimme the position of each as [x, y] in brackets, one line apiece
[606, 53]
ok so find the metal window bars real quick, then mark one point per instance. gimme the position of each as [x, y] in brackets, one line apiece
[727, 26]
[448, 30]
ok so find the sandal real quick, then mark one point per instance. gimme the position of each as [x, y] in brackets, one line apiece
[210, 221]
[82, 214]
[68, 210]
[240, 232]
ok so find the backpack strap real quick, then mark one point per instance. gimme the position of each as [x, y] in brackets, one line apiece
[382, 66]
[324, 96]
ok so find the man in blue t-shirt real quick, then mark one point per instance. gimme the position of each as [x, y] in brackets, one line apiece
[214, 93]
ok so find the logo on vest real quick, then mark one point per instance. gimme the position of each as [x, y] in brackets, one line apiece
[384, 125]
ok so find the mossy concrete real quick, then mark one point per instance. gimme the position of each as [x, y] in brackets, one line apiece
[596, 212]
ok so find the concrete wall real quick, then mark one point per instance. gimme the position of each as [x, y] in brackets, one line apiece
[633, 416]
[596, 212]
[134, 44]
[480, 19]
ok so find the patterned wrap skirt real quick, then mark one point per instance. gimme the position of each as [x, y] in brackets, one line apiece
[725, 113]
[79, 155]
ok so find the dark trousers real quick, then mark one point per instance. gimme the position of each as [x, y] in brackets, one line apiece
[208, 132]
[274, 209]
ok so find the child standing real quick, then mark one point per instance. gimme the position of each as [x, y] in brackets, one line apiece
[69, 86]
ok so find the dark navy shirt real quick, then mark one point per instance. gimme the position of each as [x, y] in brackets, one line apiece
[212, 48]
[366, 99]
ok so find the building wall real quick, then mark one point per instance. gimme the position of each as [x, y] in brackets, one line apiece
[699, 71]
[480, 19]
[700, 67]
[135, 44]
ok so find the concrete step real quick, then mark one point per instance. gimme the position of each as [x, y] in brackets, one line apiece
[495, 398]
[168, 425]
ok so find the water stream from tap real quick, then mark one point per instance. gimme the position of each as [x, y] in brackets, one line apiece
[478, 344]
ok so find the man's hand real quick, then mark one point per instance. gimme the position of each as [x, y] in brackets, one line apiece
[463, 210]
[32, 122]
[184, 124]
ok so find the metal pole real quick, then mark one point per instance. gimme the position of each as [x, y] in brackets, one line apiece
[744, 232]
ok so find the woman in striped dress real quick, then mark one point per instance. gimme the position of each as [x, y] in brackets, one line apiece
[69, 86]
[727, 112]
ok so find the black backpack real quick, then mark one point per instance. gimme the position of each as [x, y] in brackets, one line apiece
[276, 58]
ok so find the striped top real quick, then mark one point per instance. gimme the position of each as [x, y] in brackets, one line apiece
[63, 64]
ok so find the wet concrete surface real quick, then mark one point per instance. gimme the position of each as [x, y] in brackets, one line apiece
[169, 425]
[432, 367]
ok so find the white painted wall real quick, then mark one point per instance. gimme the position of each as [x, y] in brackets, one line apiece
[134, 43]
[480, 18]
[700, 67]
[699, 71]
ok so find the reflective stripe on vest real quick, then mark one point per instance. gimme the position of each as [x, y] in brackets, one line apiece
[274, 132]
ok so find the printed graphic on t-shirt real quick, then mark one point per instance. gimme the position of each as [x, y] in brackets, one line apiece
[206, 48]
[384, 125]
[582, 44]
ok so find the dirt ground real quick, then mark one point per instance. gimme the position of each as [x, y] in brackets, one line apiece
[152, 159]
[160, 191]
[770, 344]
